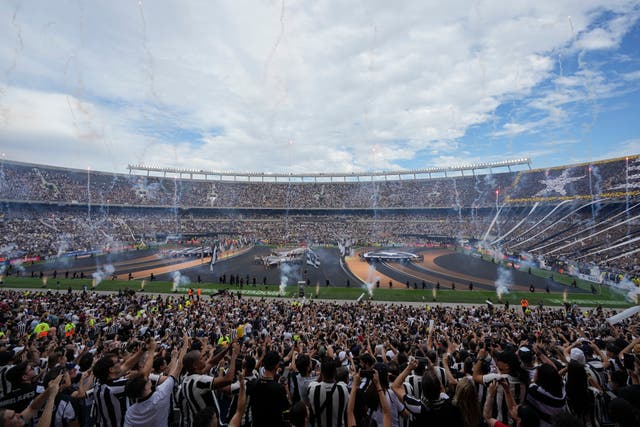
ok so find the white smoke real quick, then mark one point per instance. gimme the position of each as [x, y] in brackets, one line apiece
[6, 250]
[102, 273]
[627, 286]
[18, 265]
[497, 255]
[286, 271]
[63, 244]
[372, 278]
[527, 261]
[504, 281]
[179, 279]
[11, 251]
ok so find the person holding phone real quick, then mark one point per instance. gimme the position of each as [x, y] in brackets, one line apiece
[630, 354]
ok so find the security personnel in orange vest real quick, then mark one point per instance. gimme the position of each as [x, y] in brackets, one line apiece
[524, 303]
[191, 294]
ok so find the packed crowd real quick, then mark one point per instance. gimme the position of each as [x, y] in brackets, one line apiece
[20, 182]
[144, 360]
[585, 235]
[98, 211]
[54, 232]
[605, 179]
[46, 184]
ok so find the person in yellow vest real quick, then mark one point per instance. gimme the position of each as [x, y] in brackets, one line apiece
[69, 329]
[41, 329]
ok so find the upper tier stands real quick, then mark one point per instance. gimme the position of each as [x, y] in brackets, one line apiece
[38, 183]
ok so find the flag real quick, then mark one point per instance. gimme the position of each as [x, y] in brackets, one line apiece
[312, 258]
[214, 257]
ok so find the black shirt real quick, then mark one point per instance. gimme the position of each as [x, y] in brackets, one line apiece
[268, 402]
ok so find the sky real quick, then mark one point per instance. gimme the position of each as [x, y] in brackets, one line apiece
[318, 86]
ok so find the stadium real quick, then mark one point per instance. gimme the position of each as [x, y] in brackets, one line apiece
[481, 227]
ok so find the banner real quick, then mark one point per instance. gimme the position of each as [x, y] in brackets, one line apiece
[623, 315]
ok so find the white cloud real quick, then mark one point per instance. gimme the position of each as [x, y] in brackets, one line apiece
[632, 76]
[227, 86]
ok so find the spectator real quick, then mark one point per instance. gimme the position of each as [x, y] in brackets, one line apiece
[196, 391]
[152, 407]
[268, 397]
[435, 407]
[546, 394]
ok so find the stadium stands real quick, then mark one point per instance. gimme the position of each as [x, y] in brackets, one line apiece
[583, 212]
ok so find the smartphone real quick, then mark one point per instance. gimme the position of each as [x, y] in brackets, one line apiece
[431, 323]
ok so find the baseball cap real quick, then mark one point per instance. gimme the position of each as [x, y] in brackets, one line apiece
[577, 355]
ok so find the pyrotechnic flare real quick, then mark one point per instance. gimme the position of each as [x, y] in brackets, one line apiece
[433, 292]
[564, 296]
[45, 279]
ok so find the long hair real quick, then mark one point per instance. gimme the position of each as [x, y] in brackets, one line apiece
[431, 386]
[466, 399]
[549, 379]
[515, 369]
[578, 396]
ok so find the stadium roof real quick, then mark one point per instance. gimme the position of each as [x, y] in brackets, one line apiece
[333, 176]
